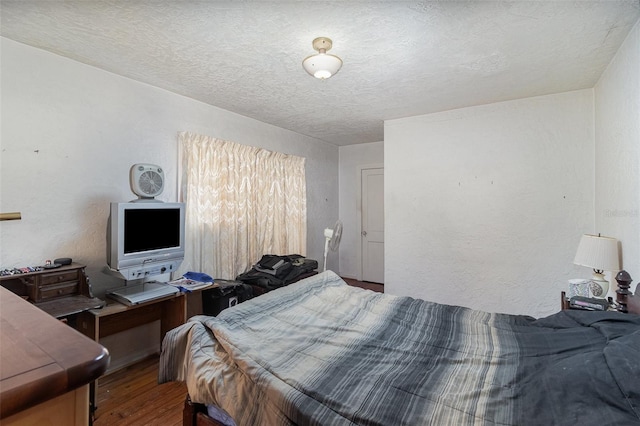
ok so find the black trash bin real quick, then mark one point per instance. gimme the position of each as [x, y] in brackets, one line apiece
[225, 295]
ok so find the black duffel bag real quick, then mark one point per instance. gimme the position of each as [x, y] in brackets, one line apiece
[273, 271]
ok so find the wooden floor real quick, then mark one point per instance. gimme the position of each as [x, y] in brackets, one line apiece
[365, 284]
[132, 396]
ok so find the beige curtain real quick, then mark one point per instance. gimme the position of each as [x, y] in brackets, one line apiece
[242, 202]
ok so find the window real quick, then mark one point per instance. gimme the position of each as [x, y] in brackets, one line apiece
[241, 202]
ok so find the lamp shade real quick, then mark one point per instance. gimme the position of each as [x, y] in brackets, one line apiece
[599, 253]
[322, 65]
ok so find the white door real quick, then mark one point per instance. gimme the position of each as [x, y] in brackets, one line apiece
[372, 232]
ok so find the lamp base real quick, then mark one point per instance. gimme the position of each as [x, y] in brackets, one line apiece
[599, 288]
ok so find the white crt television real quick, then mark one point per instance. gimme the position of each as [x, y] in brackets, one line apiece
[143, 234]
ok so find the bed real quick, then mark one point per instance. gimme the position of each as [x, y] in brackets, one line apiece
[320, 352]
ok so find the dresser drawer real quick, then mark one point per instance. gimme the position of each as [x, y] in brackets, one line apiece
[58, 290]
[56, 278]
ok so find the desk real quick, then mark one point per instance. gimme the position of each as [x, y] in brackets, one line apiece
[116, 317]
[61, 292]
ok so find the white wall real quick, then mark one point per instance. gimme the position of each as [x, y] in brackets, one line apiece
[617, 159]
[484, 206]
[352, 158]
[70, 132]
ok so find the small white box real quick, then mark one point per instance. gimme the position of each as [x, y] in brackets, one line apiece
[578, 287]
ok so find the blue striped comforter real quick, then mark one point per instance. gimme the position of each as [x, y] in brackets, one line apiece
[320, 352]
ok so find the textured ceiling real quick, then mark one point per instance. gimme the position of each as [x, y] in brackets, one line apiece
[400, 58]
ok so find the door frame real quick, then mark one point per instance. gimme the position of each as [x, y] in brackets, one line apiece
[359, 170]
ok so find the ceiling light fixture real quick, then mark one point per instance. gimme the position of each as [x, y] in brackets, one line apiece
[322, 65]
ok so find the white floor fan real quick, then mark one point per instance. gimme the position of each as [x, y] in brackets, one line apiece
[332, 240]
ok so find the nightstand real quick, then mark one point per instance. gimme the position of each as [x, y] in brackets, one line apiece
[564, 303]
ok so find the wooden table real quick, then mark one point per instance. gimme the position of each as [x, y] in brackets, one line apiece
[45, 366]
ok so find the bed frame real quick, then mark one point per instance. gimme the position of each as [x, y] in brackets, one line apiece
[196, 414]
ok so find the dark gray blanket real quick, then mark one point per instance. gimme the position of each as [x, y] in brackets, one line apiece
[322, 353]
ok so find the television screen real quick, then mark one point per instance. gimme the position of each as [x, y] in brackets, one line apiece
[151, 229]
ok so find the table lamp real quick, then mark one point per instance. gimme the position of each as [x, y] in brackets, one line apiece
[601, 254]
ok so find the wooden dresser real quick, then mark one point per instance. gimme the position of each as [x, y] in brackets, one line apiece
[61, 292]
[46, 366]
